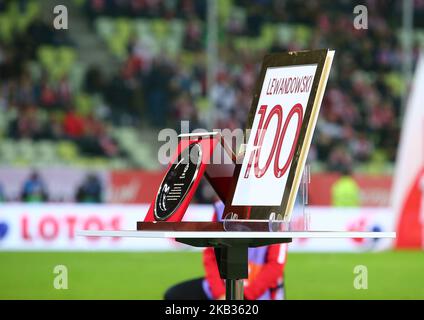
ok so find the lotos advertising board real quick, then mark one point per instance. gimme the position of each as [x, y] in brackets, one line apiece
[53, 227]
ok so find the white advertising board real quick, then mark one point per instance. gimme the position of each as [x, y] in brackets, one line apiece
[52, 227]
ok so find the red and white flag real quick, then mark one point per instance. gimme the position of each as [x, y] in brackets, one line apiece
[408, 186]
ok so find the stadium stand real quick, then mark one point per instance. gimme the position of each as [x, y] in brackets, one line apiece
[67, 112]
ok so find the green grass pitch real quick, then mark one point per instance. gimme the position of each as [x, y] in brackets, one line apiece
[23, 275]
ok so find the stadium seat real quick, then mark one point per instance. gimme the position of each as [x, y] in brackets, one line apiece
[141, 156]
[118, 163]
[8, 151]
[104, 27]
[202, 104]
[47, 57]
[242, 43]
[419, 36]
[3, 126]
[84, 103]
[76, 75]
[25, 150]
[97, 162]
[284, 33]
[224, 9]
[302, 35]
[395, 82]
[142, 27]
[35, 69]
[160, 29]
[118, 46]
[46, 152]
[268, 34]
[121, 36]
[139, 152]
[79, 3]
[123, 28]
[67, 56]
[23, 20]
[187, 58]
[177, 29]
[171, 46]
[150, 42]
[67, 151]
[6, 27]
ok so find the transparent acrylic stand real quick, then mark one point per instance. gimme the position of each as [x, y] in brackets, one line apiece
[275, 222]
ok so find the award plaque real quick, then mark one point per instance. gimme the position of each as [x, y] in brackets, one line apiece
[178, 181]
[197, 155]
[281, 122]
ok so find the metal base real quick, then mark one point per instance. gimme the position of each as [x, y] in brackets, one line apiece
[232, 259]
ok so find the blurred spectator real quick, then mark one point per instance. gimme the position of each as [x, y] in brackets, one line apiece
[340, 160]
[46, 94]
[223, 95]
[345, 192]
[64, 92]
[362, 148]
[158, 91]
[193, 36]
[2, 194]
[54, 129]
[90, 191]
[96, 141]
[34, 189]
[26, 124]
[94, 81]
[73, 124]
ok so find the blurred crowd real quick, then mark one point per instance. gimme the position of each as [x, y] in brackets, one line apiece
[43, 108]
[360, 119]
[34, 190]
[166, 9]
[361, 111]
